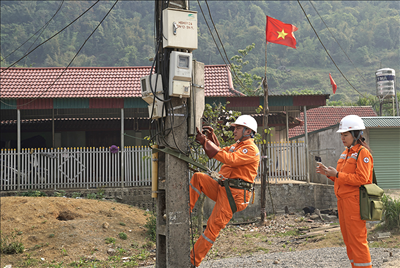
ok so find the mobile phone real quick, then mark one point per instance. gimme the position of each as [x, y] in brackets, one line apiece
[319, 162]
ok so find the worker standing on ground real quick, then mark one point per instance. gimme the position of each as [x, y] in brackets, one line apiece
[354, 168]
[239, 169]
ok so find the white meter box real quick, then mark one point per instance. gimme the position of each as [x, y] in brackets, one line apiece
[179, 29]
[156, 110]
[180, 74]
[148, 89]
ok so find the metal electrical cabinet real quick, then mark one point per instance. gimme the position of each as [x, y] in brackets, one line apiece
[180, 29]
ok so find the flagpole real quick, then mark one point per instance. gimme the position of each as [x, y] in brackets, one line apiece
[264, 180]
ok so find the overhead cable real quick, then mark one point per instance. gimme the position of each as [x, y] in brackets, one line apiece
[305, 14]
[336, 40]
[235, 75]
[50, 37]
[76, 54]
[44, 26]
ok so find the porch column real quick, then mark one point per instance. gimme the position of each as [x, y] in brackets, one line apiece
[18, 148]
[306, 142]
[287, 125]
[52, 130]
[122, 149]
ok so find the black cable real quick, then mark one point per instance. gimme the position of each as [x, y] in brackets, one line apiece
[326, 49]
[212, 21]
[50, 37]
[337, 41]
[65, 69]
[235, 75]
[44, 26]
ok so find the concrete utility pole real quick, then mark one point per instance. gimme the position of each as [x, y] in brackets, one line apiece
[173, 236]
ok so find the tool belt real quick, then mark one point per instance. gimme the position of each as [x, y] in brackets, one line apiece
[238, 184]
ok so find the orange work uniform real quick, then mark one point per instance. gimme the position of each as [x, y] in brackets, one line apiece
[353, 172]
[240, 161]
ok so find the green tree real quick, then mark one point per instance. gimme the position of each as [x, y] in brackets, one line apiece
[248, 83]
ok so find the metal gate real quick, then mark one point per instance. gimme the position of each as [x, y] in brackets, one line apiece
[287, 161]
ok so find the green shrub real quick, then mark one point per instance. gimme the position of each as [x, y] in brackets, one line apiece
[151, 225]
[123, 236]
[33, 193]
[10, 244]
[100, 194]
[60, 193]
[110, 240]
[92, 196]
[76, 194]
[391, 213]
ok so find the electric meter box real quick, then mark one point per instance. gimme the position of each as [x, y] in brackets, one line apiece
[156, 110]
[180, 74]
[179, 29]
[385, 83]
[156, 85]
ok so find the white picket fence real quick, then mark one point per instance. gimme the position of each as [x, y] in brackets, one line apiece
[74, 168]
[68, 168]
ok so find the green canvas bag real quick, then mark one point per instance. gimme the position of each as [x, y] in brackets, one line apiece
[371, 205]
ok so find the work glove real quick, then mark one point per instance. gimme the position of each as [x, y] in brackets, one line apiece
[210, 148]
[200, 137]
[210, 134]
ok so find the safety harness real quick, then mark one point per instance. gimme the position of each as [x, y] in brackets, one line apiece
[238, 184]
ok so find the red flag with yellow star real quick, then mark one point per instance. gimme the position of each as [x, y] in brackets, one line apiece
[280, 33]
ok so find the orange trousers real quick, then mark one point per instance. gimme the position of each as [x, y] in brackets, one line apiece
[354, 232]
[220, 215]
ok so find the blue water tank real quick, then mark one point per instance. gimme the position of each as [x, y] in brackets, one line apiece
[385, 83]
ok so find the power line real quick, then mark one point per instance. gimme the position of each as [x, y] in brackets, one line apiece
[44, 26]
[336, 40]
[51, 37]
[65, 69]
[212, 21]
[235, 75]
[326, 49]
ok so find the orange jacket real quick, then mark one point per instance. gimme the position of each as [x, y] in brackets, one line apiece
[351, 174]
[240, 160]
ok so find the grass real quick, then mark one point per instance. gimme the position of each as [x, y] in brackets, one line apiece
[110, 240]
[391, 214]
[10, 244]
[151, 225]
[123, 236]
[294, 232]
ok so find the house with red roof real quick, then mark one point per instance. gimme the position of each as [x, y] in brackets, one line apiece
[382, 134]
[84, 106]
[327, 116]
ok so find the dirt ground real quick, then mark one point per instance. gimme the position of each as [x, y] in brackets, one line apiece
[58, 229]
[67, 232]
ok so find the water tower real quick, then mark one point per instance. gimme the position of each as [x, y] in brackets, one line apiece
[386, 86]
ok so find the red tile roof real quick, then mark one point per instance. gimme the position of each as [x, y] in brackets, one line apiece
[97, 82]
[327, 116]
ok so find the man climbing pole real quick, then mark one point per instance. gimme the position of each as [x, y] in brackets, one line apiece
[233, 190]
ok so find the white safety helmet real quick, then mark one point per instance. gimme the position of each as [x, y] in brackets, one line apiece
[246, 121]
[350, 123]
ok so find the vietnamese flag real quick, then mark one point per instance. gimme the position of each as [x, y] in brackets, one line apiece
[280, 33]
[334, 86]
